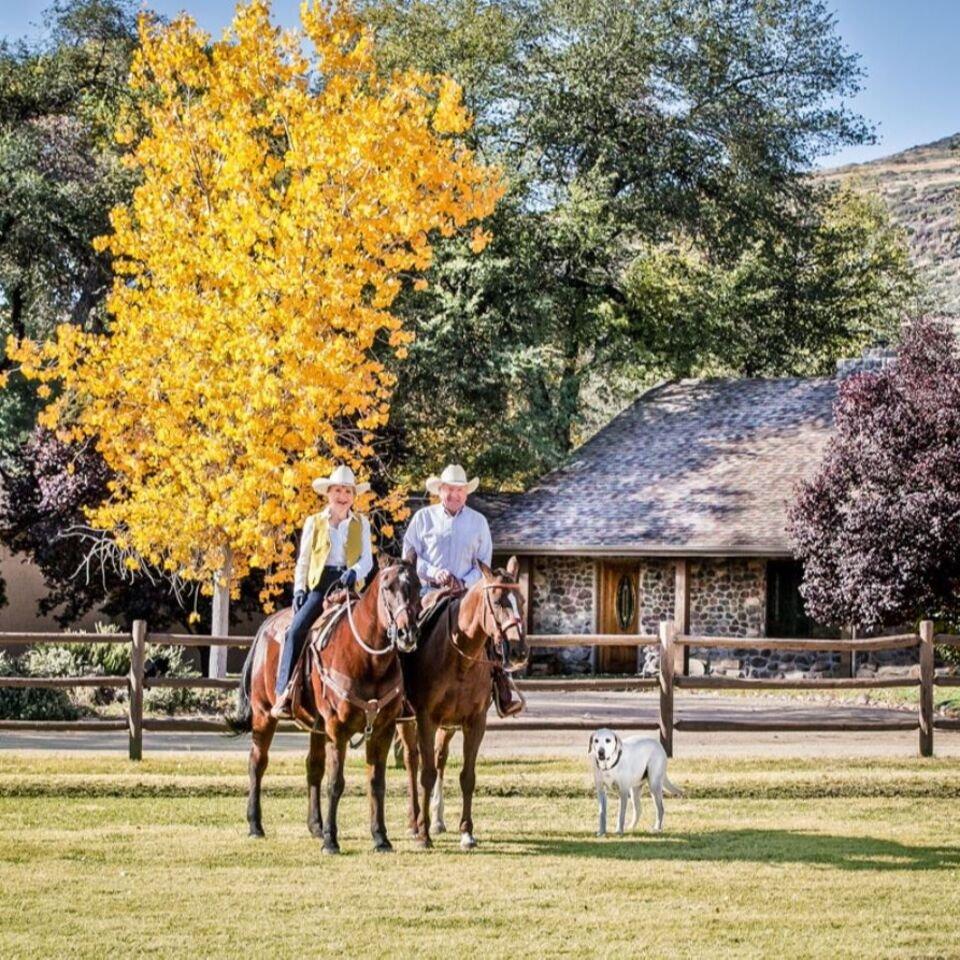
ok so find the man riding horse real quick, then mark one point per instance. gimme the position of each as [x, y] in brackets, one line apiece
[449, 540]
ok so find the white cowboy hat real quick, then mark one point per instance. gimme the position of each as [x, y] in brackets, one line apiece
[455, 475]
[343, 476]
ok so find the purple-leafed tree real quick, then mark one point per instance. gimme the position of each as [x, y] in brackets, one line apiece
[42, 499]
[878, 526]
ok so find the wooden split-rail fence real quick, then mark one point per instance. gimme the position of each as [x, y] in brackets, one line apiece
[667, 682]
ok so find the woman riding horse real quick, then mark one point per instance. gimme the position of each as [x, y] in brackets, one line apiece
[352, 685]
[334, 549]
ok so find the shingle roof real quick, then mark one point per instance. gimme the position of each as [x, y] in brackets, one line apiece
[692, 467]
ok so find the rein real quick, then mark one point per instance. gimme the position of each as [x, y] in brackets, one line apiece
[501, 630]
[359, 640]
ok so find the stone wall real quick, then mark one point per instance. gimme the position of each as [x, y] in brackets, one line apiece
[728, 598]
[562, 592]
[657, 580]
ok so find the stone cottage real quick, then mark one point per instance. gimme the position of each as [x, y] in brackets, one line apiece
[677, 510]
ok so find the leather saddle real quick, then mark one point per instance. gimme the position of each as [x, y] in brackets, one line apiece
[433, 606]
[317, 639]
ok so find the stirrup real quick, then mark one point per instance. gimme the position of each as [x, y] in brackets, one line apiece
[407, 713]
[283, 708]
[514, 706]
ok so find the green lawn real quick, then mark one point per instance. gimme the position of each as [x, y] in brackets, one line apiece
[101, 857]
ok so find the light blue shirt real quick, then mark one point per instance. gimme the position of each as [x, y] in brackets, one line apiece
[442, 542]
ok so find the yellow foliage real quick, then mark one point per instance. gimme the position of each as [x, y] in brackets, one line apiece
[255, 270]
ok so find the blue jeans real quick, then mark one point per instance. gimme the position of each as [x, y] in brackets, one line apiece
[303, 620]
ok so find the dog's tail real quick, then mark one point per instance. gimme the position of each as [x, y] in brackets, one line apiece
[671, 788]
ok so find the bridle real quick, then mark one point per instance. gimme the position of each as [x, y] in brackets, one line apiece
[393, 631]
[500, 628]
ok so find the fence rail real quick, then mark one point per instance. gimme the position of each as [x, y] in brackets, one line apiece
[667, 682]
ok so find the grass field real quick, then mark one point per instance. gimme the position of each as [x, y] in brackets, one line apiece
[101, 857]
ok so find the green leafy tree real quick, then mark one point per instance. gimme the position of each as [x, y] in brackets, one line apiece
[658, 152]
[60, 173]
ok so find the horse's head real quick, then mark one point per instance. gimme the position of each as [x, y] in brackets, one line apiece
[399, 602]
[502, 614]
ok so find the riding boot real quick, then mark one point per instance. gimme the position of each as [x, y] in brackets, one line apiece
[281, 709]
[502, 690]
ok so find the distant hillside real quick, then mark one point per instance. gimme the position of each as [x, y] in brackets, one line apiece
[921, 187]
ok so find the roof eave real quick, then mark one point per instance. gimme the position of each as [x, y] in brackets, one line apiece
[647, 550]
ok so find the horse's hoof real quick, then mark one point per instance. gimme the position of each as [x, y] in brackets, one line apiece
[385, 846]
[439, 827]
[331, 848]
[467, 841]
[424, 843]
[257, 833]
[316, 832]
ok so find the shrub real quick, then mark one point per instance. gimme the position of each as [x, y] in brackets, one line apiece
[99, 659]
[32, 704]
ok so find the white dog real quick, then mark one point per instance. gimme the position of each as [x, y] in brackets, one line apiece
[624, 765]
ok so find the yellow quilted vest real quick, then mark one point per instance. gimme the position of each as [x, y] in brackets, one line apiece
[320, 548]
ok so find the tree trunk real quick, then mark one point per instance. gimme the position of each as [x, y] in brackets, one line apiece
[220, 624]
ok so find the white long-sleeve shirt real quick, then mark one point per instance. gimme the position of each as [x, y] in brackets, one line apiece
[444, 542]
[338, 545]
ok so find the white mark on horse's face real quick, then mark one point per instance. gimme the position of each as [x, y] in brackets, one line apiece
[515, 606]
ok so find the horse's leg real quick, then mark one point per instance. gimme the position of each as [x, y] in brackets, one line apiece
[444, 736]
[315, 763]
[473, 732]
[411, 760]
[261, 736]
[426, 735]
[337, 745]
[378, 750]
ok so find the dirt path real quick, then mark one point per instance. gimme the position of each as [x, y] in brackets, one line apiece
[607, 709]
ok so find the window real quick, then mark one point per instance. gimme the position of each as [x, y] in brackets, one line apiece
[626, 602]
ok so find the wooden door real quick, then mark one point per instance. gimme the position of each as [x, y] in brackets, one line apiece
[619, 613]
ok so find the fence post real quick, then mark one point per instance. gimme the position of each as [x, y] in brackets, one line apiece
[138, 651]
[667, 631]
[926, 688]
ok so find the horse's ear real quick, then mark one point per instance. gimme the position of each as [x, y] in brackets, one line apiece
[513, 568]
[485, 570]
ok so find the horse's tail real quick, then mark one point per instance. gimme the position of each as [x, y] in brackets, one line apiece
[242, 720]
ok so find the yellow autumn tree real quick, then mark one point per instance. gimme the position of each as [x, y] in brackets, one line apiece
[287, 192]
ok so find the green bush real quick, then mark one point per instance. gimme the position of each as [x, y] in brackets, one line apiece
[32, 703]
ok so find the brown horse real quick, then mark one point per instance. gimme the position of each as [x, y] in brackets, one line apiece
[355, 686]
[448, 684]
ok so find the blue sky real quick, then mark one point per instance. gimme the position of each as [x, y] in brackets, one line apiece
[909, 49]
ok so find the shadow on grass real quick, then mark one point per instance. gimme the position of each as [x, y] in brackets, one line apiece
[744, 846]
